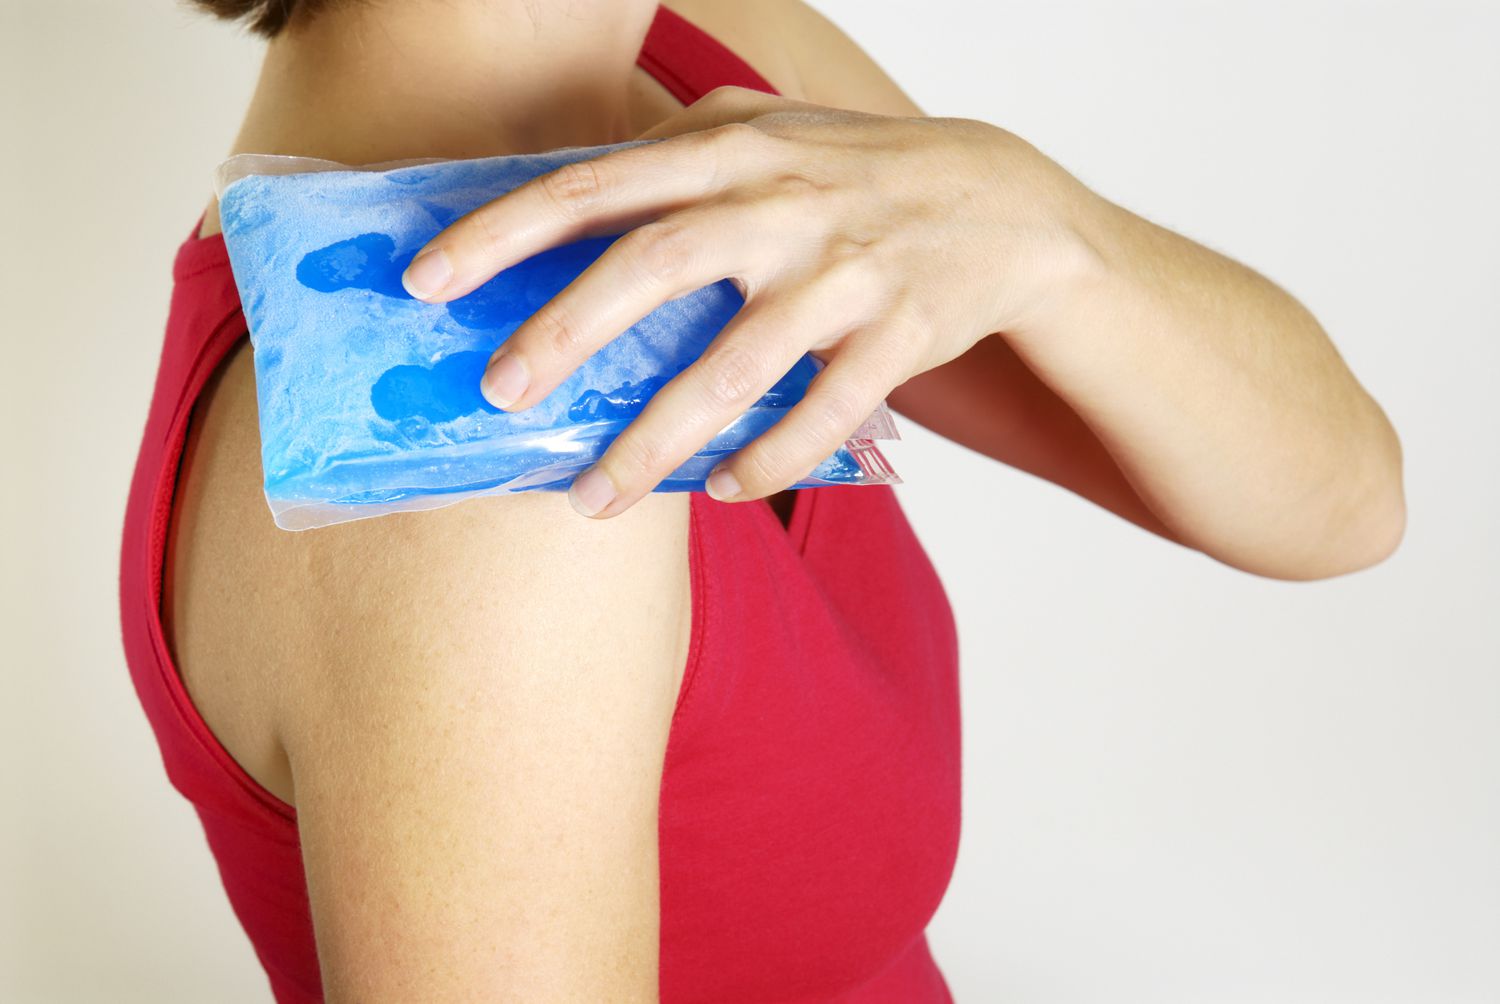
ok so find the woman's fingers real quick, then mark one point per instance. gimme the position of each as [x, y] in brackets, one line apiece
[754, 351]
[587, 198]
[841, 397]
[651, 264]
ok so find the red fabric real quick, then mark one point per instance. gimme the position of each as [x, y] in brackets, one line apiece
[810, 796]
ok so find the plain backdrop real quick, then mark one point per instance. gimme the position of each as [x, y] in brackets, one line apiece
[1183, 783]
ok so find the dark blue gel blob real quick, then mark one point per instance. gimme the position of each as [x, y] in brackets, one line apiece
[447, 390]
[364, 262]
[493, 306]
[622, 402]
[515, 293]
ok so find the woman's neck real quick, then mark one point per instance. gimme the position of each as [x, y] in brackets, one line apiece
[373, 81]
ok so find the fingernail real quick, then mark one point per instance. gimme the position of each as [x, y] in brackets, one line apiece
[504, 381]
[428, 274]
[591, 491]
[722, 484]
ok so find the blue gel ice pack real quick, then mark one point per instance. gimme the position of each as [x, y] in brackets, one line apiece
[369, 399]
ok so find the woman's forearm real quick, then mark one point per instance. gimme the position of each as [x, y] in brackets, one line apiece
[1219, 395]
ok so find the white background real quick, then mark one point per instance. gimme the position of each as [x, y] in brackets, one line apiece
[1183, 783]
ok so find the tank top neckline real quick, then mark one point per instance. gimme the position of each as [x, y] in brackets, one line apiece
[688, 62]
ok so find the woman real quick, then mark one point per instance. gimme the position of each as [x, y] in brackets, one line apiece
[694, 748]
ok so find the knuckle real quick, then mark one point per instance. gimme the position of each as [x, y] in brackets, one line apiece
[486, 232]
[734, 374]
[854, 278]
[638, 457]
[658, 252]
[557, 330]
[795, 198]
[729, 95]
[887, 359]
[800, 182]
[762, 468]
[901, 354]
[730, 146]
[755, 470]
[721, 151]
[574, 188]
[838, 411]
[734, 134]
[848, 245]
[909, 323]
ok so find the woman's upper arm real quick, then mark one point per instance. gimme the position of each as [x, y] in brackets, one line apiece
[476, 741]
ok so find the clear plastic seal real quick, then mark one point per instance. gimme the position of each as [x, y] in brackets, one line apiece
[369, 399]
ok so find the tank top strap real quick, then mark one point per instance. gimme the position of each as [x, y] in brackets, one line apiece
[690, 62]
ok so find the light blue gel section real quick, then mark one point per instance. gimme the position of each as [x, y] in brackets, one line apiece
[368, 396]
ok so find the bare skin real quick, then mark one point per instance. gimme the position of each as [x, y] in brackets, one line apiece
[384, 673]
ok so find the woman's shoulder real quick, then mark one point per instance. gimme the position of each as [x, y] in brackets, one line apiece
[802, 52]
[267, 623]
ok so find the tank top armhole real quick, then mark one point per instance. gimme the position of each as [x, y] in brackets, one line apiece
[700, 613]
[161, 511]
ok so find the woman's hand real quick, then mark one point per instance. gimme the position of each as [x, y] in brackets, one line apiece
[871, 241]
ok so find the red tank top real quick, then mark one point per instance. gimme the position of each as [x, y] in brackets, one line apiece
[809, 808]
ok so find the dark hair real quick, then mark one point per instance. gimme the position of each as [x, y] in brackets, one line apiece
[264, 17]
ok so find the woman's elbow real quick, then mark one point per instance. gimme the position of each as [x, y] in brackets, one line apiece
[1366, 522]
[1380, 534]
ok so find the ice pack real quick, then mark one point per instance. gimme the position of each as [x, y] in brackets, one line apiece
[369, 399]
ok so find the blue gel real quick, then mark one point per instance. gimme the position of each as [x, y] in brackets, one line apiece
[442, 392]
[369, 399]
